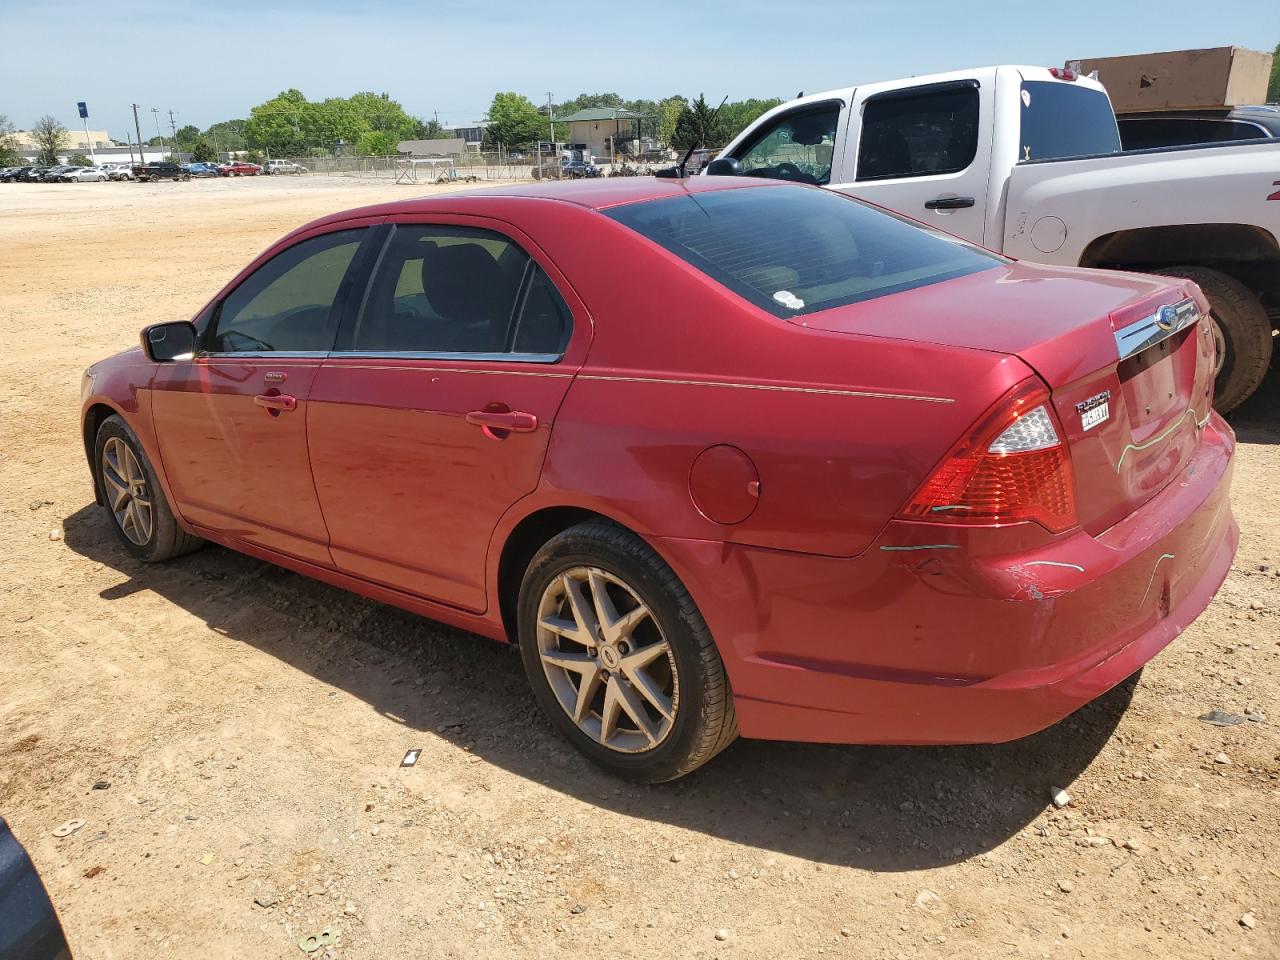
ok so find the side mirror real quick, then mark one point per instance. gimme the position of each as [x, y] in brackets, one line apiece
[724, 167]
[167, 342]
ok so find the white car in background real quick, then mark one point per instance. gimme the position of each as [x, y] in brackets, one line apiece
[120, 171]
[283, 166]
[84, 175]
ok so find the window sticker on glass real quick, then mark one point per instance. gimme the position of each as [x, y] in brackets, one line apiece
[789, 300]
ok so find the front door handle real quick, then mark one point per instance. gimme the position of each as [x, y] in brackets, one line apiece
[514, 421]
[949, 203]
[276, 402]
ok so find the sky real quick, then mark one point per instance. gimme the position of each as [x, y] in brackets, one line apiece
[212, 61]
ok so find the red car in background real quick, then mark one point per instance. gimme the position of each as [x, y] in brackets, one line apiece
[721, 456]
[239, 168]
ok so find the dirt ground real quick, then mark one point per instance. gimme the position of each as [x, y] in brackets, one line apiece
[249, 724]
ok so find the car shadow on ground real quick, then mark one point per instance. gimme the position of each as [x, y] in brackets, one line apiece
[879, 808]
[1257, 420]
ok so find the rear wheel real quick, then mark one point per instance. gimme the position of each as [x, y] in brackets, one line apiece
[140, 514]
[619, 657]
[1241, 331]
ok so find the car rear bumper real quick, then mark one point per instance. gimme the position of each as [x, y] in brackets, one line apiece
[942, 634]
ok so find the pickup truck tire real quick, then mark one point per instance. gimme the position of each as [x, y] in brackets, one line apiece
[1243, 333]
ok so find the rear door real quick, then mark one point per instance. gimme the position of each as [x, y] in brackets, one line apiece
[232, 421]
[433, 414]
[919, 150]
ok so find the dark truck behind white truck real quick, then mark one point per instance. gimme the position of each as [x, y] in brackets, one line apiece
[1027, 161]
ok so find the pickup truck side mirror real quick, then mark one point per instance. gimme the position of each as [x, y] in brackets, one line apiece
[724, 167]
[167, 342]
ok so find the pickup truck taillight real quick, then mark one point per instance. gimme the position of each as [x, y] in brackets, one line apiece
[1012, 467]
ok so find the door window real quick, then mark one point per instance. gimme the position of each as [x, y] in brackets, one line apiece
[290, 303]
[919, 134]
[796, 146]
[458, 290]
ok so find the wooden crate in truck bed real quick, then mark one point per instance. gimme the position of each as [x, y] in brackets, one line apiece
[1182, 79]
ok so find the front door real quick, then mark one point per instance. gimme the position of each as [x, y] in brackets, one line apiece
[432, 416]
[918, 151]
[232, 423]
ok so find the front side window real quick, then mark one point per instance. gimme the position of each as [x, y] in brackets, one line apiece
[796, 146]
[291, 302]
[1062, 120]
[452, 289]
[920, 133]
[795, 250]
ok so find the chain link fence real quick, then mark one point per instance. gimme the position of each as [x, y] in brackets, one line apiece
[469, 167]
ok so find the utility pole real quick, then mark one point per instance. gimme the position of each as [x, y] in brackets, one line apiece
[551, 117]
[174, 127]
[155, 112]
[138, 129]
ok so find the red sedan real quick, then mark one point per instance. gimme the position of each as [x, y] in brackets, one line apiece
[240, 168]
[721, 456]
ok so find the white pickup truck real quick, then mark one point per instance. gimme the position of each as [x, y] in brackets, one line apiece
[1027, 161]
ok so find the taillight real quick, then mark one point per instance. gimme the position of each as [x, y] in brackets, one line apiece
[1062, 73]
[1012, 467]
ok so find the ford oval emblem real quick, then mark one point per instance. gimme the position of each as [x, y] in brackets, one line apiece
[1166, 317]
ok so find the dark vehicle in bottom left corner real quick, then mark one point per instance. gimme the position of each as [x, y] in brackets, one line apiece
[162, 170]
[29, 927]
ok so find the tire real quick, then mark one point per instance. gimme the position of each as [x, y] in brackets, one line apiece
[164, 539]
[702, 721]
[186, 177]
[1242, 330]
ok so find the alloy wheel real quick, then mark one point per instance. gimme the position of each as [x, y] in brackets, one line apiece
[608, 663]
[127, 492]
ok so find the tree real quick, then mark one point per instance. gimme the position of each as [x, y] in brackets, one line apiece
[8, 143]
[51, 139]
[79, 160]
[203, 151]
[376, 143]
[430, 130]
[513, 121]
[226, 135]
[1273, 85]
[740, 114]
[668, 112]
[698, 126]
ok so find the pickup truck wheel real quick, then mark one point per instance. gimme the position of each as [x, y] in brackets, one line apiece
[1241, 331]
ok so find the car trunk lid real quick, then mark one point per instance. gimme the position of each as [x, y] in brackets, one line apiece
[1128, 360]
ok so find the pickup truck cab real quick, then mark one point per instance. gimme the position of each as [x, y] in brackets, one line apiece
[161, 170]
[1027, 161]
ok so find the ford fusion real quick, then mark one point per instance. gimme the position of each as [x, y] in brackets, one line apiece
[720, 456]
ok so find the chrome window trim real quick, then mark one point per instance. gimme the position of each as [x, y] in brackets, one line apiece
[262, 354]
[1147, 332]
[541, 358]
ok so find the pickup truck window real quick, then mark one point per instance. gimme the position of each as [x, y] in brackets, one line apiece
[1061, 120]
[919, 133]
[793, 250]
[1142, 133]
[795, 146]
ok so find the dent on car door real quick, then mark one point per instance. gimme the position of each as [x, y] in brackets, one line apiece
[232, 422]
[432, 416]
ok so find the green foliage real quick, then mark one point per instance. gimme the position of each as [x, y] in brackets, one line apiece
[514, 121]
[51, 140]
[1273, 85]
[291, 125]
[429, 130]
[9, 156]
[227, 135]
[80, 160]
[736, 116]
[188, 135]
[376, 143]
[668, 114]
[699, 126]
[203, 151]
[252, 156]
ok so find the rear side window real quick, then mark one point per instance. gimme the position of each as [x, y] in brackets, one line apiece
[446, 289]
[919, 134]
[1144, 133]
[795, 250]
[1061, 119]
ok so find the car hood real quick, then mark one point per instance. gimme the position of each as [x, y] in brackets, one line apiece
[1055, 319]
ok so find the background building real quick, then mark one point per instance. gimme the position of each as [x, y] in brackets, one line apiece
[601, 131]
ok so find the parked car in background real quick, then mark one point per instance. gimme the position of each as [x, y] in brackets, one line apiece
[240, 168]
[121, 172]
[13, 174]
[161, 170]
[1028, 161]
[84, 175]
[283, 166]
[565, 169]
[32, 174]
[718, 455]
[203, 170]
[1144, 131]
[51, 174]
[29, 927]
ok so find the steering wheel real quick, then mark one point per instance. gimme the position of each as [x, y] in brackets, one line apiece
[785, 170]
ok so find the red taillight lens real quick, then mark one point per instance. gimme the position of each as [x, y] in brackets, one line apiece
[1013, 467]
[1062, 73]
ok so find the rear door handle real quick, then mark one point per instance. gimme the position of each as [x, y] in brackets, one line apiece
[276, 401]
[949, 203]
[516, 421]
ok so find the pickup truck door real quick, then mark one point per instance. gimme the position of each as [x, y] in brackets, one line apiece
[924, 151]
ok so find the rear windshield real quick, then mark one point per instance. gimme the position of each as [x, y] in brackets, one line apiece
[1060, 119]
[795, 250]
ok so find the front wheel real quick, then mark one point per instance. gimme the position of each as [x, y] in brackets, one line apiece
[620, 658]
[140, 514]
[1241, 331]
